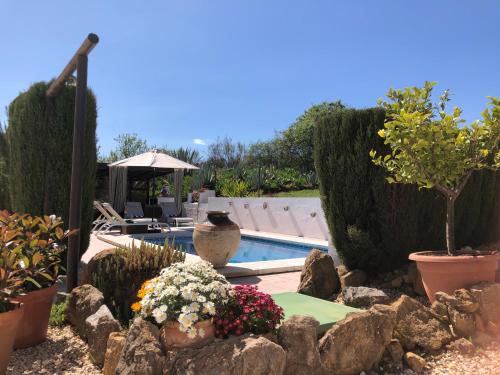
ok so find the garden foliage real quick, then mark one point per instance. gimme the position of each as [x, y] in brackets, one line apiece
[120, 274]
[374, 224]
[40, 138]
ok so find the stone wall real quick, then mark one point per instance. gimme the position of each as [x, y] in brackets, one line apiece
[360, 342]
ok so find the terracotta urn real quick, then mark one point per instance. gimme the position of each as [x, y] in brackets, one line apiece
[172, 338]
[217, 239]
[9, 323]
[35, 322]
[443, 273]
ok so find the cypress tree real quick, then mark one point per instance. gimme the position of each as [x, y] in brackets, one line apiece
[40, 136]
[4, 182]
[375, 225]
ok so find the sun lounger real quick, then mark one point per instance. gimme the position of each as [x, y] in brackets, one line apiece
[113, 220]
[169, 214]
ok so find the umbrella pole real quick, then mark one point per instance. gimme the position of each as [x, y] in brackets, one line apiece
[154, 185]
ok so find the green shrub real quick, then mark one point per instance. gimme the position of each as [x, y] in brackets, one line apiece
[375, 225]
[120, 274]
[58, 314]
[4, 182]
[40, 134]
[233, 188]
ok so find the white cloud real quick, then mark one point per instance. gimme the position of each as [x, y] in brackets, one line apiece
[199, 141]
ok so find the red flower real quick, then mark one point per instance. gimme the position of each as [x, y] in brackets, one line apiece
[249, 311]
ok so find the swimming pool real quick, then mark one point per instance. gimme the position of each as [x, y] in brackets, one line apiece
[251, 249]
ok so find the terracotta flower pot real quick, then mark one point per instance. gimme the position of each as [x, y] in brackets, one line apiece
[9, 323]
[217, 239]
[443, 273]
[35, 322]
[171, 337]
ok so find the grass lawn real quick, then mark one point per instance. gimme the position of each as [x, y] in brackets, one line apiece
[298, 193]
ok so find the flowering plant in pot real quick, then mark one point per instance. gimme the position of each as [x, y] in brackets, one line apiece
[182, 300]
[431, 148]
[39, 242]
[249, 311]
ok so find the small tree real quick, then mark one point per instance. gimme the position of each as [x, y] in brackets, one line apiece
[430, 148]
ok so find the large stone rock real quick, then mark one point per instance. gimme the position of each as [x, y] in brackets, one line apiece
[142, 352]
[417, 325]
[319, 277]
[394, 351]
[243, 355]
[84, 301]
[88, 269]
[466, 302]
[353, 278]
[488, 296]
[440, 311]
[358, 342]
[463, 323]
[299, 337]
[415, 362]
[361, 296]
[116, 342]
[98, 327]
[463, 346]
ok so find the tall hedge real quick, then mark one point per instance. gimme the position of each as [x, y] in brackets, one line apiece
[40, 137]
[375, 225]
[4, 182]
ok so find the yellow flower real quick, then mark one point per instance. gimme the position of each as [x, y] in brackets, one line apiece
[144, 289]
[136, 306]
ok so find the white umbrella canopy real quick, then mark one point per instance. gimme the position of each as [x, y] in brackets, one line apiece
[153, 159]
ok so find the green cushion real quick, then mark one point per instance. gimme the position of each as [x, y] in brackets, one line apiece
[325, 312]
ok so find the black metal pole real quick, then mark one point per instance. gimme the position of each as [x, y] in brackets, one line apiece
[76, 172]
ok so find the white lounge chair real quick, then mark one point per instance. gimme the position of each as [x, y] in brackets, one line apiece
[113, 219]
[169, 214]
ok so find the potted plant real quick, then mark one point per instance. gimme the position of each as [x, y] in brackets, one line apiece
[249, 311]
[39, 241]
[11, 279]
[431, 148]
[182, 300]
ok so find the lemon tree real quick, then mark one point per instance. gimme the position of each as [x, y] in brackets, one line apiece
[434, 148]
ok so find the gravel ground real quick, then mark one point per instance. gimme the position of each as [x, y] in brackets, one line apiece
[483, 362]
[63, 353]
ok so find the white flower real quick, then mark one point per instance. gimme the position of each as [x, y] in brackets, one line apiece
[159, 316]
[209, 308]
[192, 333]
[194, 307]
[201, 298]
[201, 332]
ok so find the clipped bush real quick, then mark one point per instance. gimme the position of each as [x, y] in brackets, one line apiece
[4, 177]
[40, 141]
[375, 225]
[121, 272]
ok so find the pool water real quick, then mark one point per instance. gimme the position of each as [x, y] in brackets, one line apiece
[251, 249]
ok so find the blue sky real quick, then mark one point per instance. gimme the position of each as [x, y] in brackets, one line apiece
[175, 71]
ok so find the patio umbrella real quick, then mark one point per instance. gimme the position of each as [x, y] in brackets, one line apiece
[146, 165]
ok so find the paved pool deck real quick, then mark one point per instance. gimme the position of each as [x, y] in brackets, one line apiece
[232, 269]
[268, 283]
